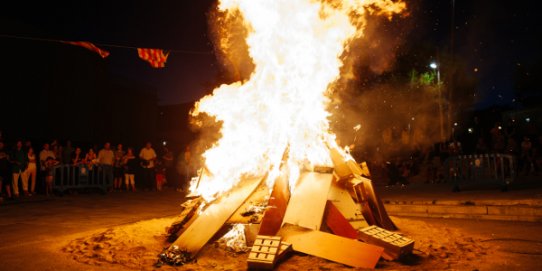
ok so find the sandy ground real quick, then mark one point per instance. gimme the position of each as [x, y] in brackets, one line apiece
[136, 246]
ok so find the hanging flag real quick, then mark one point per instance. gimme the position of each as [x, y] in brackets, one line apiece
[156, 57]
[90, 46]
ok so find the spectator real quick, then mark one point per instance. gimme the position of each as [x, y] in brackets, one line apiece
[526, 158]
[67, 153]
[130, 163]
[90, 159]
[160, 175]
[5, 171]
[31, 170]
[188, 164]
[167, 160]
[118, 169]
[44, 154]
[57, 150]
[27, 145]
[148, 156]
[78, 157]
[106, 158]
[50, 164]
[19, 162]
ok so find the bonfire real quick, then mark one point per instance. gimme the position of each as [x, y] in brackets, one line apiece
[276, 176]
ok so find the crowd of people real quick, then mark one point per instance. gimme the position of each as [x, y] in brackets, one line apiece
[524, 145]
[25, 172]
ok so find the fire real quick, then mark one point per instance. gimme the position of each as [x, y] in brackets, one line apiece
[276, 122]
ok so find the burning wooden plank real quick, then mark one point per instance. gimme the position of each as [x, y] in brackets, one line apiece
[308, 201]
[187, 216]
[336, 222]
[214, 217]
[342, 199]
[276, 207]
[253, 208]
[331, 247]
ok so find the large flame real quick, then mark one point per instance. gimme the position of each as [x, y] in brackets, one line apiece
[296, 48]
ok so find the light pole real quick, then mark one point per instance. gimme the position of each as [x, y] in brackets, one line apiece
[435, 66]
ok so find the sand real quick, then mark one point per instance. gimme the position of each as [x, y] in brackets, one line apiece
[136, 246]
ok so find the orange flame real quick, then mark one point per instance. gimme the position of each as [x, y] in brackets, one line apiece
[296, 47]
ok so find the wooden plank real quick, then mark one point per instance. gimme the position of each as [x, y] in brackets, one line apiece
[342, 199]
[214, 217]
[373, 208]
[257, 199]
[331, 247]
[276, 207]
[308, 201]
[336, 222]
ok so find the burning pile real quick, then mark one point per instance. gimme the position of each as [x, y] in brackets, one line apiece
[277, 151]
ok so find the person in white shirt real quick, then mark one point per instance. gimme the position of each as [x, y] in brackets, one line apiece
[148, 156]
[106, 158]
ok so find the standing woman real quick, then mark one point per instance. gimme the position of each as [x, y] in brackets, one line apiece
[31, 170]
[130, 163]
[118, 171]
[78, 157]
[91, 158]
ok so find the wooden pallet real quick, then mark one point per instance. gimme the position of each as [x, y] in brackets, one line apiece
[394, 244]
[264, 252]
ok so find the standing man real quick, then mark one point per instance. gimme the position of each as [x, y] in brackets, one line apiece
[46, 152]
[67, 153]
[18, 168]
[5, 172]
[106, 158]
[118, 170]
[148, 156]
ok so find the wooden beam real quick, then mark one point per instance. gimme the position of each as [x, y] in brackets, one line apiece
[336, 222]
[276, 207]
[331, 247]
[214, 217]
[258, 198]
[308, 202]
[372, 207]
[341, 198]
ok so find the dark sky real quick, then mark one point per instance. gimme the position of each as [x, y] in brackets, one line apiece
[493, 37]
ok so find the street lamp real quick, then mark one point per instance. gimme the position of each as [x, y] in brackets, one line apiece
[433, 65]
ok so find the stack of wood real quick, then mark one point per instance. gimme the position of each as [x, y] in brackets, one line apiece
[325, 216]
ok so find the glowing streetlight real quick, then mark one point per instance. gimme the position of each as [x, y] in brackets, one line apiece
[433, 65]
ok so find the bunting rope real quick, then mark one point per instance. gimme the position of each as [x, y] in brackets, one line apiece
[181, 51]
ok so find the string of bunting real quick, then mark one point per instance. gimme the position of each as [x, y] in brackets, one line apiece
[156, 58]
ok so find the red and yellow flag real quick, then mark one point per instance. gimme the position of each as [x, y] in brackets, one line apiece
[90, 46]
[156, 57]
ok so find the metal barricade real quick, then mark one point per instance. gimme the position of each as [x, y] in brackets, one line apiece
[481, 168]
[66, 177]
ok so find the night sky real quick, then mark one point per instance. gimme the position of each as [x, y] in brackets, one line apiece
[496, 39]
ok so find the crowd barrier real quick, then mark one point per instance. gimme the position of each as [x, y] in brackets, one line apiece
[66, 177]
[462, 170]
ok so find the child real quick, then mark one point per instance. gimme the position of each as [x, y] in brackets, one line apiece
[50, 164]
[160, 175]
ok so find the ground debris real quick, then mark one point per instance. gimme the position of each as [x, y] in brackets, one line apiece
[174, 256]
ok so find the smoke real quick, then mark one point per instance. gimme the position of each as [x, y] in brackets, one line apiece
[228, 34]
[387, 120]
